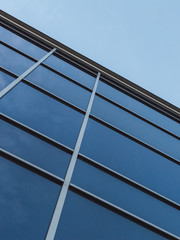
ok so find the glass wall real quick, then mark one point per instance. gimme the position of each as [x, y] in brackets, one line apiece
[16, 41]
[138, 107]
[114, 170]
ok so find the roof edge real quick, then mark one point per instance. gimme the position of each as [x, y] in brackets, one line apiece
[145, 94]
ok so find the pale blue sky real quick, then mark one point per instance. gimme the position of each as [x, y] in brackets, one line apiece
[138, 39]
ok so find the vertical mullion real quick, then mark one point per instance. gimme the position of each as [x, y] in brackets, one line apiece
[28, 71]
[62, 196]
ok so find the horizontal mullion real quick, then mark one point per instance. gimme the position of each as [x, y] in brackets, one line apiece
[46, 92]
[18, 51]
[48, 48]
[8, 72]
[25, 36]
[64, 76]
[23, 75]
[75, 63]
[32, 167]
[134, 139]
[52, 95]
[137, 115]
[112, 207]
[141, 99]
[128, 181]
[36, 133]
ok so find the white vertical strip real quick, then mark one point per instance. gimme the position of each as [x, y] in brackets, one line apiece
[62, 196]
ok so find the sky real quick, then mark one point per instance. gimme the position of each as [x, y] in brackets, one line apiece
[138, 39]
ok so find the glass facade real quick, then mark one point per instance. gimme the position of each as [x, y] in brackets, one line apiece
[80, 156]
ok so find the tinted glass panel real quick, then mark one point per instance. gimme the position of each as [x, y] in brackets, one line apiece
[13, 61]
[33, 149]
[136, 127]
[131, 159]
[21, 44]
[70, 71]
[82, 219]
[60, 86]
[126, 197]
[26, 204]
[5, 80]
[139, 108]
[42, 113]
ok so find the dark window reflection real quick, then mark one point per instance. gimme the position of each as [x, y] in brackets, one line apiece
[42, 113]
[82, 219]
[21, 44]
[70, 71]
[13, 61]
[26, 204]
[5, 80]
[139, 108]
[126, 197]
[131, 159]
[33, 149]
[60, 86]
[136, 127]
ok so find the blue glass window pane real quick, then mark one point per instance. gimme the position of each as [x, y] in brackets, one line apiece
[82, 219]
[32, 149]
[70, 71]
[13, 61]
[136, 127]
[42, 113]
[126, 197]
[5, 80]
[131, 159]
[60, 86]
[21, 44]
[139, 108]
[27, 202]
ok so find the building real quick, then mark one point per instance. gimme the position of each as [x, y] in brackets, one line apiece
[85, 153]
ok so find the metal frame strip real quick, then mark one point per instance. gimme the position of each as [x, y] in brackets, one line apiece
[60, 203]
[137, 115]
[85, 193]
[86, 159]
[35, 133]
[69, 52]
[118, 130]
[28, 71]
[31, 167]
[121, 211]
[47, 92]
[67, 184]
[18, 51]
[129, 181]
[23, 35]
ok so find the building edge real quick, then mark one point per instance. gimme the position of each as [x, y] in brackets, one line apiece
[110, 75]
